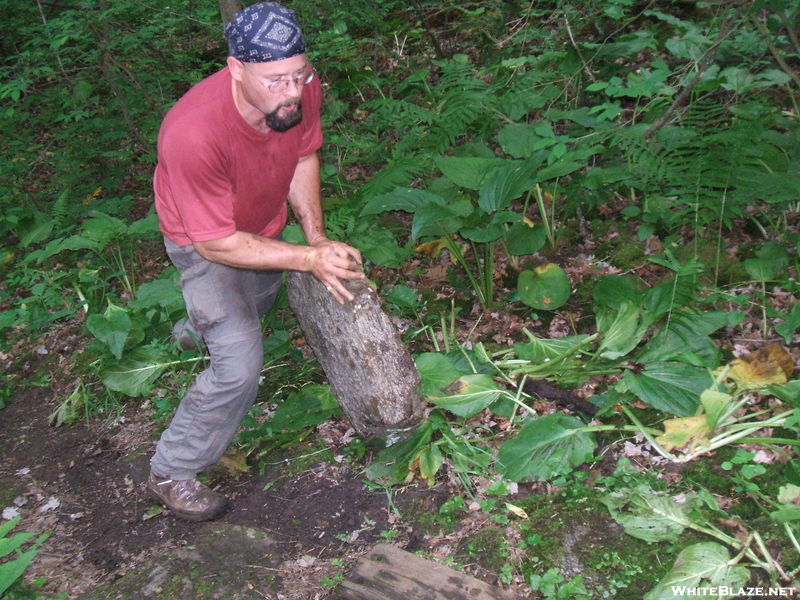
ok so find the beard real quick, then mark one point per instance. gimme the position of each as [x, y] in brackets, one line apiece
[282, 124]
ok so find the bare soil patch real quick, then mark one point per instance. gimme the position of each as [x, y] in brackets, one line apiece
[84, 483]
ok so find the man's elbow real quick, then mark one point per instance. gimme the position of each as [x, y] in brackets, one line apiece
[216, 250]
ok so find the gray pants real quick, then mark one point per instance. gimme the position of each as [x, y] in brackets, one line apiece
[224, 305]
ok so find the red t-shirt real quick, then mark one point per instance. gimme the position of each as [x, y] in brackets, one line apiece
[217, 175]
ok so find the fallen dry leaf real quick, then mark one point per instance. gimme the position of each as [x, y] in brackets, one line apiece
[771, 365]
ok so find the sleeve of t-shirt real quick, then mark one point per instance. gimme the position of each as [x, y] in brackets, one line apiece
[199, 182]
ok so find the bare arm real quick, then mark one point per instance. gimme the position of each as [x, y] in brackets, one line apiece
[304, 196]
[327, 260]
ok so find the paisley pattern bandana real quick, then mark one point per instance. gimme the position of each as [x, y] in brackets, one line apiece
[264, 32]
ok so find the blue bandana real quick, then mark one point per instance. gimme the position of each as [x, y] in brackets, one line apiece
[264, 32]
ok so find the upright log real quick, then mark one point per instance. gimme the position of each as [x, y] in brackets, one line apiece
[369, 370]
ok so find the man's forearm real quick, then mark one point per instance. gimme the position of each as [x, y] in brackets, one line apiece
[304, 196]
[250, 251]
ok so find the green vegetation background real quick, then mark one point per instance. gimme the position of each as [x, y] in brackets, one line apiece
[496, 131]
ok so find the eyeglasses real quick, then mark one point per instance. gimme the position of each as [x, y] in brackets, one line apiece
[278, 86]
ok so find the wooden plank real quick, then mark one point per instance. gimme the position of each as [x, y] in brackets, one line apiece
[389, 573]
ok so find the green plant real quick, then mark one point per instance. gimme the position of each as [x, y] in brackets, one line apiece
[16, 561]
[552, 586]
[292, 420]
[483, 220]
[332, 580]
[656, 517]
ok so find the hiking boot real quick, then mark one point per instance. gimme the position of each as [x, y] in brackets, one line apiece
[186, 498]
[185, 336]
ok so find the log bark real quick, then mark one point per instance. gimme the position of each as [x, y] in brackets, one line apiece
[370, 372]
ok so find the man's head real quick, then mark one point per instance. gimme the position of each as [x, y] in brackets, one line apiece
[266, 56]
[264, 32]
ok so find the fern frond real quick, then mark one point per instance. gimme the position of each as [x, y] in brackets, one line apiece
[398, 172]
[59, 210]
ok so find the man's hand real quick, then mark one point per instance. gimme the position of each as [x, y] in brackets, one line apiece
[330, 262]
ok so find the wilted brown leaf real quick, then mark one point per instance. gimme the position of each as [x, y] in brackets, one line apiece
[691, 431]
[431, 248]
[771, 365]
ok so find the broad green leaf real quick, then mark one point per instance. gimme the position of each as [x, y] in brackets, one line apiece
[788, 392]
[772, 260]
[544, 448]
[407, 199]
[112, 328]
[380, 246]
[596, 177]
[8, 319]
[427, 208]
[786, 513]
[467, 395]
[135, 373]
[506, 185]
[9, 525]
[521, 238]
[164, 293]
[788, 493]
[544, 288]
[580, 116]
[34, 228]
[8, 545]
[392, 465]
[670, 386]
[433, 214]
[104, 227]
[436, 372]
[615, 291]
[714, 404]
[621, 330]
[518, 139]
[559, 169]
[704, 566]
[13, 570]
[760, 269]
[311, 405]
[686, 334]
[491, 231]
[789, 324]
[145, 226]
[539, 350]
[58, 245]
[651, 516]
[468, 172]
[404, 297]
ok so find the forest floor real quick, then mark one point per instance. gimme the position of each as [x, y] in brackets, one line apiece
[83, 482]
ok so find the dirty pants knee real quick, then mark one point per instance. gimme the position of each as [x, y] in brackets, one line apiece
[224, 306]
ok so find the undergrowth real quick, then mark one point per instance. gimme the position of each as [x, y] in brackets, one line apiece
[498, 140]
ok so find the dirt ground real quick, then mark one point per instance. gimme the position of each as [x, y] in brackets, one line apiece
[84, 483]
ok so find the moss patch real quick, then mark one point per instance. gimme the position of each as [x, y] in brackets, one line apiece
[488, 547]
[573, 532]
[196, 571]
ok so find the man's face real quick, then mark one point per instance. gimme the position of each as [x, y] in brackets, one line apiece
[272, 89]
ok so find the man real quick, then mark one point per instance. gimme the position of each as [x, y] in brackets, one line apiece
[230, 153]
